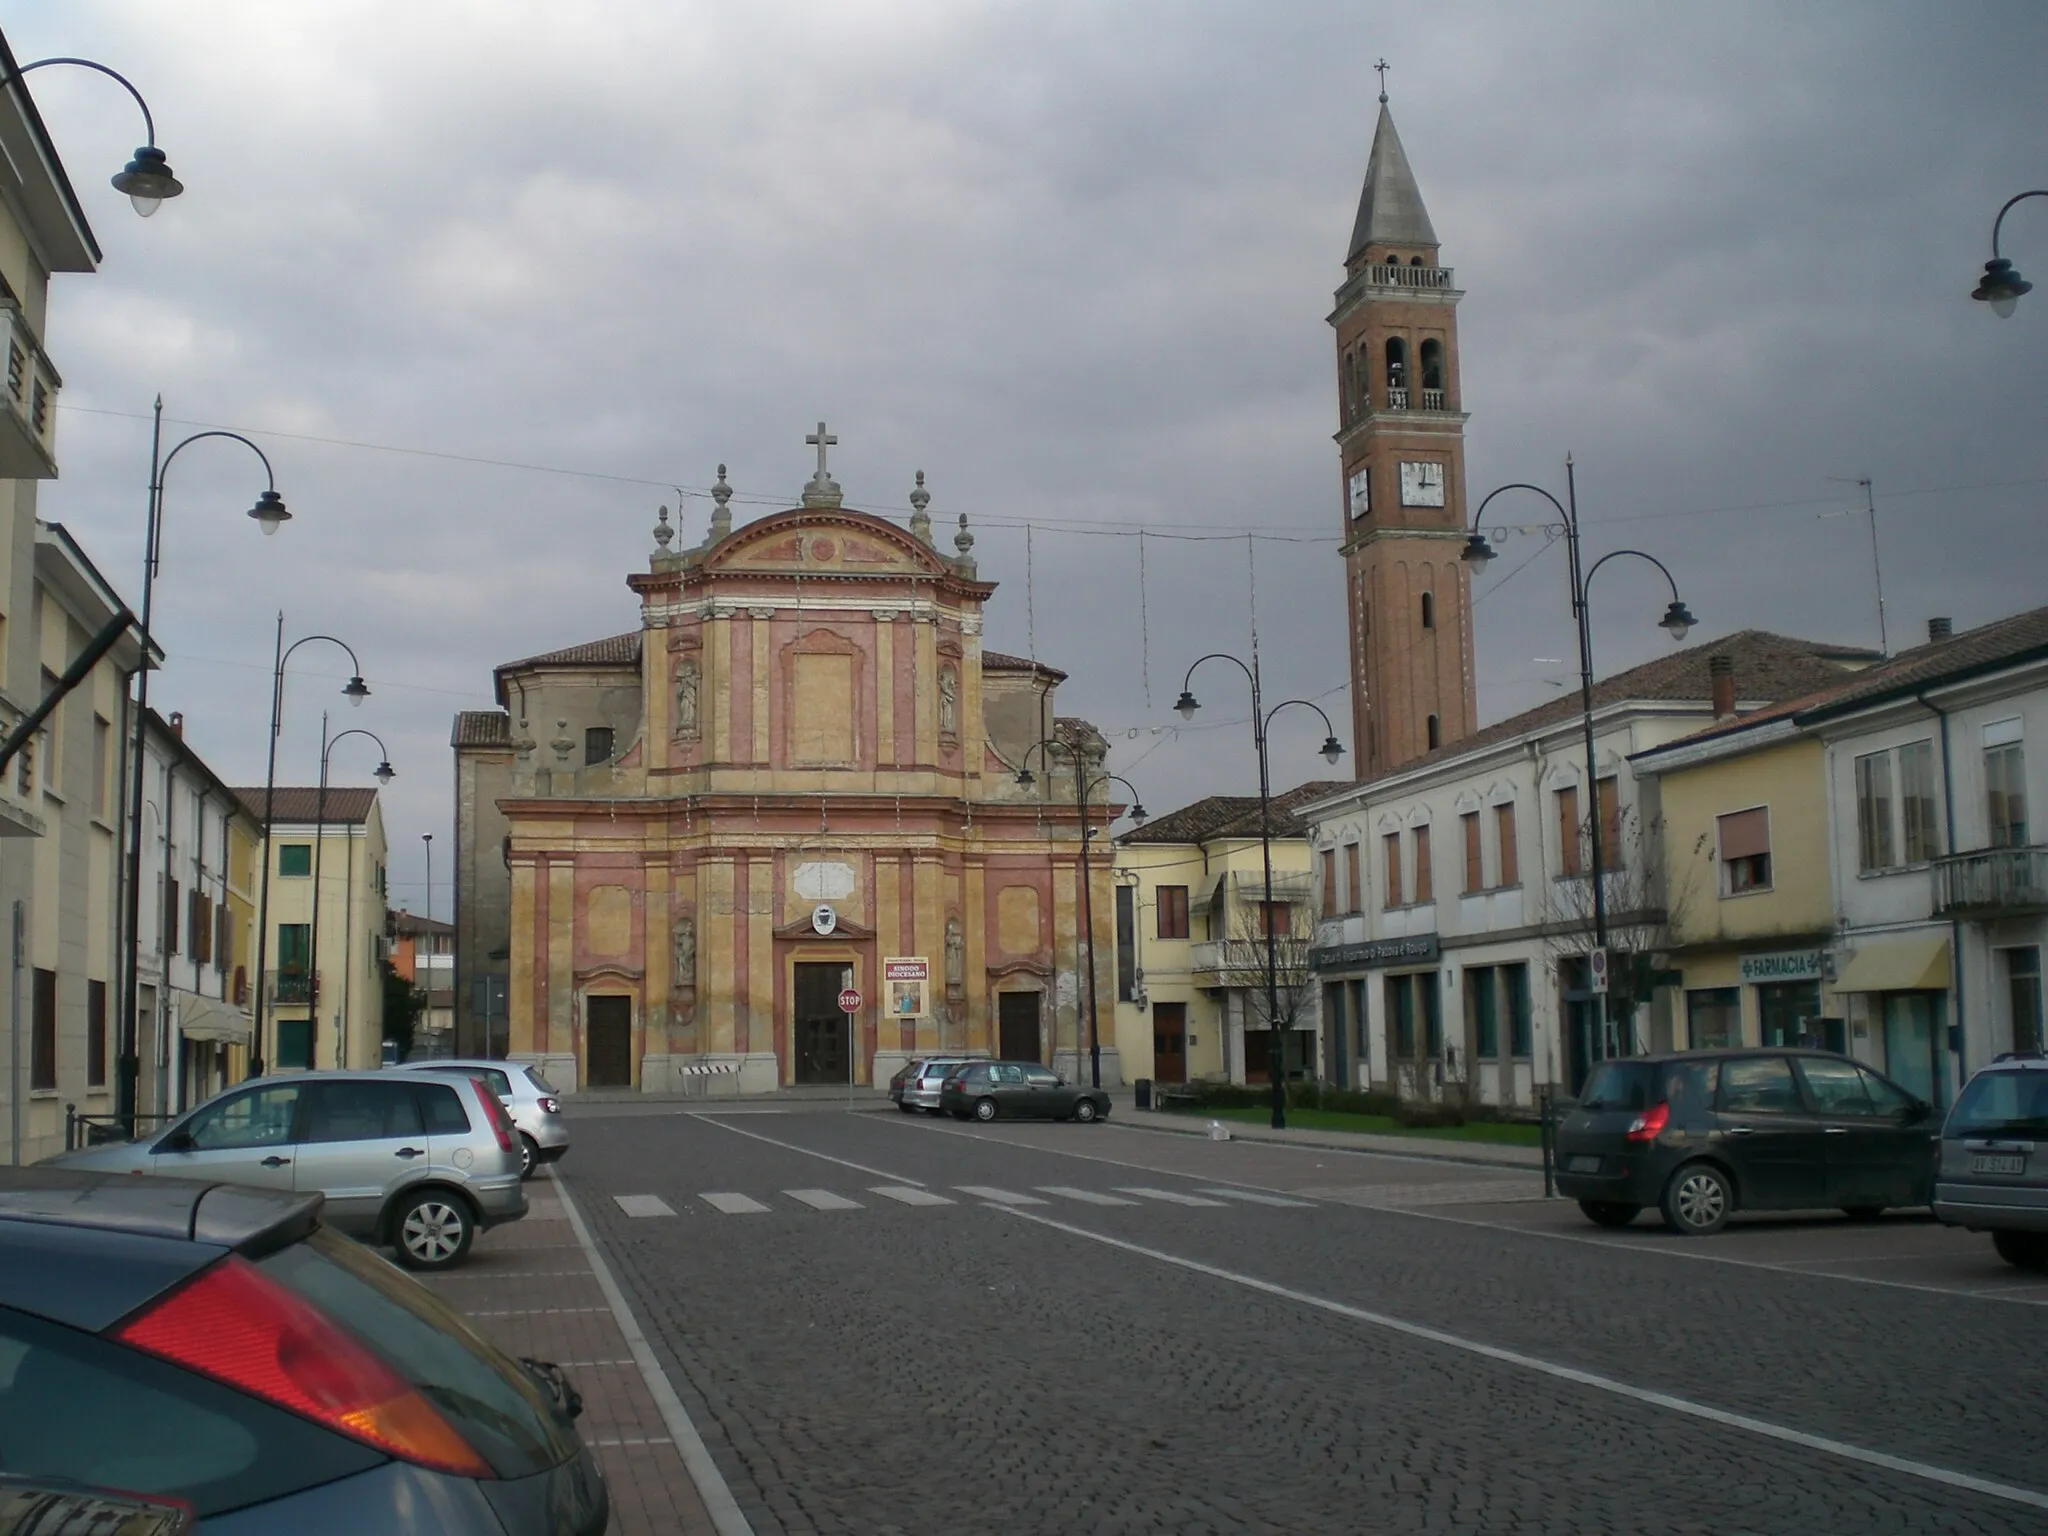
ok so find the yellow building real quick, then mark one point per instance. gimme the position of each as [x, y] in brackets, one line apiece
[1743, 823]
[1191, 905]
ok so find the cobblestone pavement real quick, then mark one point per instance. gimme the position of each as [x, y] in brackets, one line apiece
[1079, 1330]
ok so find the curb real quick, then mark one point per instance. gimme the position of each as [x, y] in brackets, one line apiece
[1422, 1151]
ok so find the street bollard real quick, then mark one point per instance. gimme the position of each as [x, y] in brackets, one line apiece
[1549, 1139]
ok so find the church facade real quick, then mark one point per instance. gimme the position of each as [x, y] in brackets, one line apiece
[681, 849]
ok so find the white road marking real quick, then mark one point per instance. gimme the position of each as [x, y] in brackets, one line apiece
[643, 1205]
[823, 1200]
[1927, 1471]
[1258, 1199]
[732, 1204]
[1085, 1196]
[1171, 1196]
[909, 1196]
[997, 1196]
[790, 1146]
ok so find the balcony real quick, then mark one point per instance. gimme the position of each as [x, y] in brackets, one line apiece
[1402, 276]
[28, 402]
[1992, 882]
[294, 988]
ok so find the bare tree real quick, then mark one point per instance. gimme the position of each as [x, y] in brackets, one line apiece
[1642, 906]
[1241, 966]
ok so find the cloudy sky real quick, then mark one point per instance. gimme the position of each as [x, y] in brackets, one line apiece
[491, 281]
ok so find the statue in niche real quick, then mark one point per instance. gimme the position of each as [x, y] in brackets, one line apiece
[686, 696]
[949, 702]
[956, 955]
[684, 972]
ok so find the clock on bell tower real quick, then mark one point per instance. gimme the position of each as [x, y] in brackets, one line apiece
[1401, 447]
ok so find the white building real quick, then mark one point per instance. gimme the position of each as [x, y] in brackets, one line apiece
[1941, 880]
[1454, 892]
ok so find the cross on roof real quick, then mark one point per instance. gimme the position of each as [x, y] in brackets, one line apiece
[821, 440]
[1382, 68]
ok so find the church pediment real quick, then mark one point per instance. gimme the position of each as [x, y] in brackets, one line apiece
[844, 929]
[812, 542]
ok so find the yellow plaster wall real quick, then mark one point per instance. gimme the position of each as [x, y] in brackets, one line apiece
[1789, 778]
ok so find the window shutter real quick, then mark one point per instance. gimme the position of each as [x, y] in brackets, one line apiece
[1745, 834]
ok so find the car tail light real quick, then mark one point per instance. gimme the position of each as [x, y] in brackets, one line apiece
[1649, 1125]
[550, 1106]
[239, 1327]
[494, 1112]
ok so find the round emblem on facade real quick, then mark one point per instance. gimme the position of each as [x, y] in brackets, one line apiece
[824, 919]
[823, 549]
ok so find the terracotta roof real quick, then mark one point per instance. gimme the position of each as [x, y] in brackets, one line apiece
[1233, 816]
[296, 804]
[997, 661]
[482, 728]
[2001, 643]
[612, 651]
[406, 922]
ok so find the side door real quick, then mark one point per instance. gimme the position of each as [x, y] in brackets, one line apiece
[1858, 1158]
[362, 1140]
[1774, 1144]
[242, 1138]
[1908, 1134]
[1012, 1093]
[1045, 1095]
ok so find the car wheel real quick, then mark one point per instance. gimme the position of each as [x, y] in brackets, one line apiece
[432, 1230]
[1610, 1213]
[984, 1109]
[2022, 1250]
[529, 1156]
[1697, 1200]
[1863, 1212]
[1085, 1111]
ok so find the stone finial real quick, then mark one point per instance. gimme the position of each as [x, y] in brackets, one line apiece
[964, 542]
[920, 519]
[662, 532]
[563, 743]
[721, 514]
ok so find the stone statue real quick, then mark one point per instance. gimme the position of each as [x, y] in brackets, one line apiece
[686, 696]
[685, 967]
[949, 702]
[956, 955]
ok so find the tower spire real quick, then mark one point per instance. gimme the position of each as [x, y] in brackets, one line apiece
[1390, 210]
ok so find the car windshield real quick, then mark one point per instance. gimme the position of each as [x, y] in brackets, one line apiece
[1619, 1085]
[2002, 1104]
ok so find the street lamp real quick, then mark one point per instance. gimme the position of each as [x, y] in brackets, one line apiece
[270, 511]
[1262, 719]
[1678, 621]
[355, 691]
[1084, 786]
[384, 774]
[147, 178]
[2001, 286]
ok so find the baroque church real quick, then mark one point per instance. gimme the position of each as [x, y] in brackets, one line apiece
[683, 849]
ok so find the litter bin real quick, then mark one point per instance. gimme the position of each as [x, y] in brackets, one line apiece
[1144, 1088]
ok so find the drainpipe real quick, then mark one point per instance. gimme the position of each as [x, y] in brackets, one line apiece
[1955, 925]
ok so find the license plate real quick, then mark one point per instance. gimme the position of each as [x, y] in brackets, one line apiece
[1582, 1165]
[2003, 1162]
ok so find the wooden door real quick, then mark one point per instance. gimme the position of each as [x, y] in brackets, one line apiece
[820, 1036]
[1170, 1042]
[608, 1042]
[1017, 1026]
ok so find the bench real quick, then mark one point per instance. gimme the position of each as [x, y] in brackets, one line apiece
[1166, 1095]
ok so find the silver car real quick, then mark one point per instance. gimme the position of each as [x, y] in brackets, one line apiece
[921, 1082]
[418, 1161]
[1993, 1175]
[530, 1099]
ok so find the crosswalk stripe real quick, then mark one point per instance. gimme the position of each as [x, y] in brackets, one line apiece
[1086, 1196]
[823, 1200]
[643, 1205]
[907, 1195]
[1255, 1198]
[1172, 1197]
[997, 1196]
[733, 1205]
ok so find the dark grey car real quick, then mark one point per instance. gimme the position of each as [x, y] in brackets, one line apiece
[1994, 1167]
[216, 1344]
[1701, 1134]
[987, 1090]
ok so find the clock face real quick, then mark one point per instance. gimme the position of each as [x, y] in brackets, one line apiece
[1422, 484]
[1361, 491]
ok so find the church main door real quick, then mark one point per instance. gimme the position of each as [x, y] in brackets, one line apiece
[608, 1056]
[1017, 1026]
[822, 1048]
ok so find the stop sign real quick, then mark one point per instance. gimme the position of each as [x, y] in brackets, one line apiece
[849, 1001]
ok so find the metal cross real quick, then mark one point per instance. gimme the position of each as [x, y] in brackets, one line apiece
[821, 440]
[1382, 68]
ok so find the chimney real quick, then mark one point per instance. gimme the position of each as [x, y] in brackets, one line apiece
[1721, 680]
[177, 725]
[1940, 629]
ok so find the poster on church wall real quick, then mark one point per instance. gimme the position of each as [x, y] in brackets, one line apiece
[906, 986]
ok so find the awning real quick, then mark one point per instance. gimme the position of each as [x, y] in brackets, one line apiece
[1288, 885]
[208, 1018]
[1917, 963]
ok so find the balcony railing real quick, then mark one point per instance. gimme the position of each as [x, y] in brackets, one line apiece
[1432, 399]
[28, 401]
[290, 987]
[1403, 276]
[1991, 882]
[1397, 398]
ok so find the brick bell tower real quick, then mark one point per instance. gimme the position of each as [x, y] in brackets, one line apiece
[1401, 447]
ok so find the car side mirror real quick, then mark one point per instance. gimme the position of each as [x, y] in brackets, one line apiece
[179, 1140]
[1919, 1110]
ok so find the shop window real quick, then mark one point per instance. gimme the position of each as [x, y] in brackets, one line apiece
[1713, 1017]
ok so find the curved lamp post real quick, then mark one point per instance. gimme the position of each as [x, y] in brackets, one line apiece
[147, 178]
[1677, 622]
[355, 690]
[270, 512]
[2001, 286]
[384, 773]
[1084, 786]
[1262, 719]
